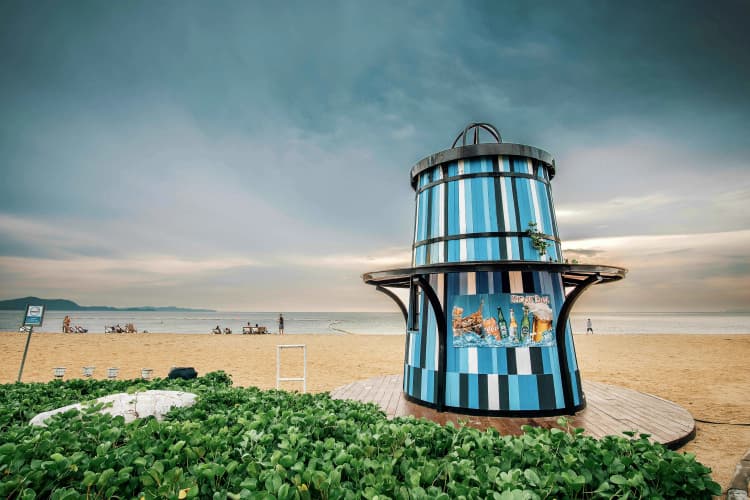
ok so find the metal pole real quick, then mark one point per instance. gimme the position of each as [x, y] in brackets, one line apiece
[25, 351]
[304, 370]
[278, 365]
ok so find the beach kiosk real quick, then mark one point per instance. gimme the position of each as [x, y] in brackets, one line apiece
[490, 294]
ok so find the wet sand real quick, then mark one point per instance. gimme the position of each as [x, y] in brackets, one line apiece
[706, 374]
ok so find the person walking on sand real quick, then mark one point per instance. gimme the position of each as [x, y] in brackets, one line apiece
[281, 324]
[66, 324]
[589, 328]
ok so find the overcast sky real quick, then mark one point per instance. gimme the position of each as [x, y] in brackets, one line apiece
[255, 156]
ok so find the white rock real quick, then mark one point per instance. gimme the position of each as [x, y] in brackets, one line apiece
[129, 406]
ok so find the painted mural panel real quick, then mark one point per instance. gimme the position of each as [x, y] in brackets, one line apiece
[502, 320]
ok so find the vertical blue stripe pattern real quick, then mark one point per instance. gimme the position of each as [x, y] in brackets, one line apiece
[420, 256]
[481, 214]
[528, 394]
[452, 389]
[521, 391]
[477, 165]
[518, 392]
[432, 219]
[415, 341]
[524, 202]
[453, 228]
[422, 216]
[473, 391]
[486, 204]
[508, 205]
[486, 249]
[468, 211]
[452, 169]
[514, 395]
[504, 164]
[488, 190]
[546, 211]
[431, 332]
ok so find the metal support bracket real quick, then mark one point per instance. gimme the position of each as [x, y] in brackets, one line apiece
[442, 327]
[396, 299]
[562, 351]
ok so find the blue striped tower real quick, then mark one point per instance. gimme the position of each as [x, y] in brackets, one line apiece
[487, 320]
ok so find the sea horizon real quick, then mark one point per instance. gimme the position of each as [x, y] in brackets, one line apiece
[369, 323]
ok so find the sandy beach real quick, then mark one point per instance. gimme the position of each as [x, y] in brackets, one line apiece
[706, 374]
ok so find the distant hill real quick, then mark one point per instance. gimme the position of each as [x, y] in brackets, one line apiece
[69, 305]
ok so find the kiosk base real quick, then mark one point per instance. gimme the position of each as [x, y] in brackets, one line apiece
[610, 410]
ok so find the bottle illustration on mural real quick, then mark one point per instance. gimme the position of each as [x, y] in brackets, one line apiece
[503, 327]
[487, 328]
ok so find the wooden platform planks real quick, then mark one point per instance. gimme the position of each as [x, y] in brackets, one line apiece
[610, 410]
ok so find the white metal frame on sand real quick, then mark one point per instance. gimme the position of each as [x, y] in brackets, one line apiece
[302, 379]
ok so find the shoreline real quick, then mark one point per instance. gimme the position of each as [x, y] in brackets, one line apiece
[373, 323]
[337, 331]
[704, 373]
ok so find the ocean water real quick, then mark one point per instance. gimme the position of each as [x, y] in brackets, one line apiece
[657, 322]
[387, 323]
[204, 322]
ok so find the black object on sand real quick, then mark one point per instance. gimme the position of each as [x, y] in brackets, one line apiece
[183, 372]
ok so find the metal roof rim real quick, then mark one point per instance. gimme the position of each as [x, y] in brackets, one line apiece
[483, 149]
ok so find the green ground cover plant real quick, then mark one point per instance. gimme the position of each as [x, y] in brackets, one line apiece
[249, 443]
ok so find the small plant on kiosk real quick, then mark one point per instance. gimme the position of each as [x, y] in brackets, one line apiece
[537, 239]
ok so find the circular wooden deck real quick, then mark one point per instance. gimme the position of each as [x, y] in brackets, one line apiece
[610, 410]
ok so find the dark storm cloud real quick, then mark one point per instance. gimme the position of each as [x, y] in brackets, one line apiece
[225, 129]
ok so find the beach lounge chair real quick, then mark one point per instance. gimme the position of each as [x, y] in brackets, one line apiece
[254, 330]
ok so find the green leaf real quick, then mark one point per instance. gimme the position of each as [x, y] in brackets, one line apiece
[413, 477]
[105, 477]
[7, 449]
[532, 477]
[89, 478]
[284, 492]
[175, 448]
[617, 479]
[230, 443]
[158, 467]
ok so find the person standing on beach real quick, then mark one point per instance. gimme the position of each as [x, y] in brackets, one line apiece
[589, 328]
[66, 324]
[281, 324]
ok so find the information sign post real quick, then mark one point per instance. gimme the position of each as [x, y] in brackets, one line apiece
[34, 316]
